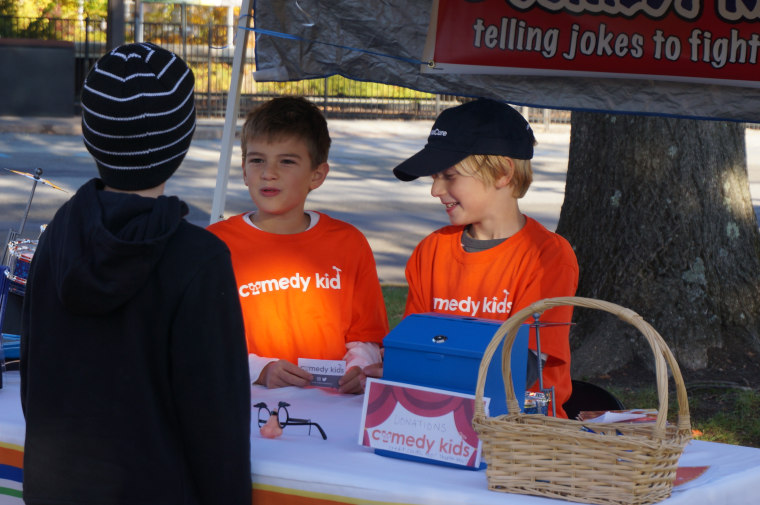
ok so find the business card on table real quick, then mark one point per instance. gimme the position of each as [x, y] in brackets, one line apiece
[326, 372]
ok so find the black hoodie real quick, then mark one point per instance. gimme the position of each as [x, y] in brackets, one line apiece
[134, 376]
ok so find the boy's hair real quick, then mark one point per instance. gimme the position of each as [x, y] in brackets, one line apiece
[288, 116]
[488, 168]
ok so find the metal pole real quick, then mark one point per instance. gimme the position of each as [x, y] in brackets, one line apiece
[550, 390]
[139, 17]
[37, 174]
[230, 26]
[230, 117]
[208, 67]
[86, 46]
[115, 27]
[184, 31]
[324, 106]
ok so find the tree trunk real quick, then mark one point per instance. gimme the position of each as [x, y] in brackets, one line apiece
[660, 216]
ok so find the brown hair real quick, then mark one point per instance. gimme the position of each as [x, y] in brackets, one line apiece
[288, 116]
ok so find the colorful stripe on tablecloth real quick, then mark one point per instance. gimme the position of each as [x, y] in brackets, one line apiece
[264, 494]
[12, 476]
[11, 469]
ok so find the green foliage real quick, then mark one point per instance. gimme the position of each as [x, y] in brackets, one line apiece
[47, 20]
[96, 9]
[726, 415]
[219, 81]
[395, 300]
[29, 28]
[196, 14]
[161, 13]
[736, 422]
[339, 86]
[8, 8]
[52, 9]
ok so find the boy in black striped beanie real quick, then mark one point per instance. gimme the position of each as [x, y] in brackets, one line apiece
[134, 312]
[138, 115]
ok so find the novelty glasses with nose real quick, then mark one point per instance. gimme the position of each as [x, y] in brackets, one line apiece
[284, 419]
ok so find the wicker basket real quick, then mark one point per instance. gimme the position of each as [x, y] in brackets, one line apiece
[617, 463]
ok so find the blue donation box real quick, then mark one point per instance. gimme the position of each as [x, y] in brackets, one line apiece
[444, 352]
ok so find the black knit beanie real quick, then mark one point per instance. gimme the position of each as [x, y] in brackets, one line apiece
[138, 115]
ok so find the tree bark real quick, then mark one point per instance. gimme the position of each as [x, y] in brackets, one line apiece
[660, 216]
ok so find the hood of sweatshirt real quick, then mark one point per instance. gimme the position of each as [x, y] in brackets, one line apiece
[110, 245]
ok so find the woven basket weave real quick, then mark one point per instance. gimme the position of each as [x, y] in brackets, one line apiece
[619, 463]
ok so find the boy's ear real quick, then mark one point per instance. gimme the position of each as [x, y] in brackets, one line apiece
[509, 172]
[318, 175]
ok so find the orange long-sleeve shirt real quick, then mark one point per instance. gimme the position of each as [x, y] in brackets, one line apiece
[529, 266]
[306, 294]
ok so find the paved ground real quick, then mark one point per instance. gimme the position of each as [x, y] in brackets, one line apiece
[360, 187]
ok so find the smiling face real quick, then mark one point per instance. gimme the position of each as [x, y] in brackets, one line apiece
[467, 198]
[279, 174]
[488, 207]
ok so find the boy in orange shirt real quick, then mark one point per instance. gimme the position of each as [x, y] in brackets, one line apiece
[307, 283]
[493, 260]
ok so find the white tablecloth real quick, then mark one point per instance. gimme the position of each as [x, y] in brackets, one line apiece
[340, 469]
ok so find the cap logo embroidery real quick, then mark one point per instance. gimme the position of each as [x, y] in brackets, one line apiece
[438, 133]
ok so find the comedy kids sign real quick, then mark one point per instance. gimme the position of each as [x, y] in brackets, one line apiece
[420, 422]
[677, 40]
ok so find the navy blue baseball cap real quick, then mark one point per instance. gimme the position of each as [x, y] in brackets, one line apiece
[482, 126]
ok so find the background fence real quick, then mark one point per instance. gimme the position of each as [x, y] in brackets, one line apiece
[208, 50]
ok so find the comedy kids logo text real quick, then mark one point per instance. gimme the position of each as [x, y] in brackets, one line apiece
[488, 305]
[325, 280]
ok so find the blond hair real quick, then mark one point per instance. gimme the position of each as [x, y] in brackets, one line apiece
[489, 168]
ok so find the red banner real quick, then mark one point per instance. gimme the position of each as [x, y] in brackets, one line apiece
[686, 40]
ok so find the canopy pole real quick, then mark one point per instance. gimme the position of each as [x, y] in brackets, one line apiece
[231, 114]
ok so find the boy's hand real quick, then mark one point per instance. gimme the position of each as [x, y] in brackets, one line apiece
[352, 382]
[374, 370]
[283, 373]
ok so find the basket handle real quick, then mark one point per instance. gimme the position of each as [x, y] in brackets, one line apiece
[662, 355]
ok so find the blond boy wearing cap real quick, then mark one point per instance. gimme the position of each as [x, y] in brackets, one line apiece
[133, 359]
[492, 261]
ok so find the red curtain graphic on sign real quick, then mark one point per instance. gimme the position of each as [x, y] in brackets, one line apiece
[383, 399]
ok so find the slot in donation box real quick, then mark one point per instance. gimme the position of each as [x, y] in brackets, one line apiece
[443, 351]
